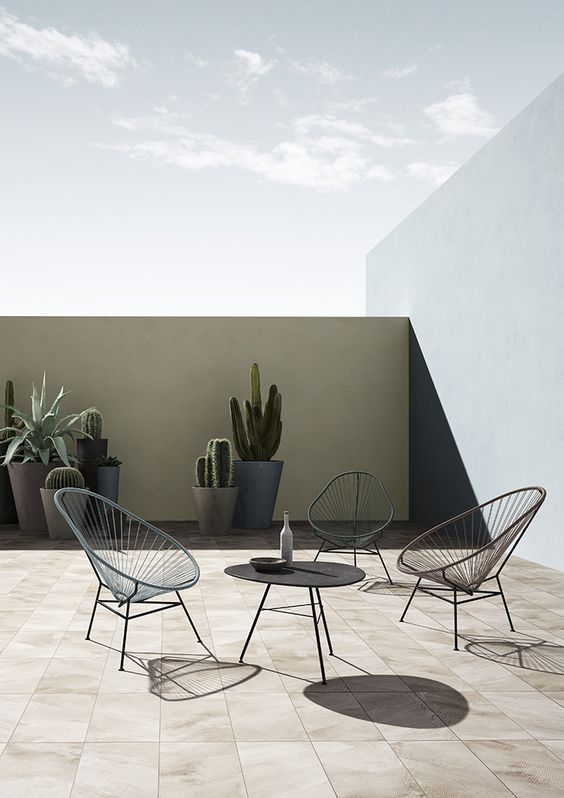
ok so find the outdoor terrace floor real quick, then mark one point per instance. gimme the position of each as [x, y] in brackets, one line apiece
[402, 714]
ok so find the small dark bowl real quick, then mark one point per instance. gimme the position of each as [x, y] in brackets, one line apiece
[267, 565]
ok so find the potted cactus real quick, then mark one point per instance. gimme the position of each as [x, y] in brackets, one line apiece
[91, 446]
[256, 440]
[107, 477]
[64, 477]
[37, 443]
[214, 493]
[8, 513]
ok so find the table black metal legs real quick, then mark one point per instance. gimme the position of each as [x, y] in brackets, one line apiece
[317, 616]
[248, 640]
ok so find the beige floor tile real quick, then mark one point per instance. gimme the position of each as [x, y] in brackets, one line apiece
[535, 713]
[524, 766]
[33, 644]
[52, 717]
[200, 769]
[256, 676]
[472, 717]
[12, 708]
[21, 674]
[403, 716]
[259, 717]
[449, 770]
[283, 770]
[127, 770]
[203, 719]
[72, 675]
[366, 770]
[119, 717]
[334, 716]
[556, 746]
[38, 770]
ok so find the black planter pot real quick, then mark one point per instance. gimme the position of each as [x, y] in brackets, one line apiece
[258, 487]
[107, 482]
[87, 451]
[8, 513]
[27, 479]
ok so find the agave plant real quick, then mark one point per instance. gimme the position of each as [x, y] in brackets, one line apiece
[42, 437]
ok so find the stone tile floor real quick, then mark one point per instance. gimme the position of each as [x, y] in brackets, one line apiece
[402, 714]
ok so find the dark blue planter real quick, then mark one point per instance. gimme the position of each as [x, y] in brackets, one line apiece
[258, 487]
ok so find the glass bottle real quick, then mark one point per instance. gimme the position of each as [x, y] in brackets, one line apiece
[287, 541]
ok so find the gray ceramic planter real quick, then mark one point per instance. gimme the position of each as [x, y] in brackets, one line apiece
[87, 451]
[27, 479]
[107, 480]
[258, 487]
[215, 507]
[56, 524]
[8, 513]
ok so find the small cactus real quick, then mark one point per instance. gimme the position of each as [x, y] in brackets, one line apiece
[201, 472]
[214, 470]
[258, 437]
[91, 422]
[64, 478]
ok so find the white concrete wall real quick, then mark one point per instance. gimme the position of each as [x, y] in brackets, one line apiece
[479, 269]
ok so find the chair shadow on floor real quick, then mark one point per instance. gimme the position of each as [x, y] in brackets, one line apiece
[184, 678]
[383, 588]
[528, 652]
[394, 700]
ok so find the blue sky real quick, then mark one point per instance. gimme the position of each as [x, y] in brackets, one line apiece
[228, 158]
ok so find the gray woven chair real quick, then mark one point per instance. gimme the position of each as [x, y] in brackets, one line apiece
[471, 549]
[351, 513]
[132, 559]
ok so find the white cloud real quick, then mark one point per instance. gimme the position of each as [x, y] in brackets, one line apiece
[322, 71]
[356, 104]
[90, 56]
[247, 69]
[432, 172]
[460, 114]
[400, 72]
[332, 124]
[196, 60]
[329, 162]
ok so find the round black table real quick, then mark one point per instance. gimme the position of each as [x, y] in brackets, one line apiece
[307, 574]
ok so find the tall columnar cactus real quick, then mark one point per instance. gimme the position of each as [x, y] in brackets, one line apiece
[7, 432]
[258, 438]
[64, 478]
[91, 423]
[215, 469]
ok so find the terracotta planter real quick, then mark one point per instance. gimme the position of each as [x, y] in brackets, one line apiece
[27, 479]
[8, 513]
[215, 508]
[258, 488]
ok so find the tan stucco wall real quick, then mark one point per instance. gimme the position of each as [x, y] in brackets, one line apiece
[163, 386]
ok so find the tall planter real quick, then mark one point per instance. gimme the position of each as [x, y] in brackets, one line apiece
[107, 480]
[8, 513]
[26, 480]
[215, 508]
[258, 483]
[87, 451]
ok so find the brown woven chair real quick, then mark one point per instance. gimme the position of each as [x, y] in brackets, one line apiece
[463, 553]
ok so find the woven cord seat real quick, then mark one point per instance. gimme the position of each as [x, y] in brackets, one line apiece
[131, 558]
[466, 551]
[351, 512]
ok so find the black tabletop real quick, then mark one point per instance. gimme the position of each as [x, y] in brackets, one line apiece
[302, 574]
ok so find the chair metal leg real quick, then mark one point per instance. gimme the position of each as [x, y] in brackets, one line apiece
[317, 638]
[124, 634]
[248, 640]
[410, 600]
[505, 605]
[354, 555]
[94, 608]
[455, 605]
[324, 619]
[319, 550]
[198, 638]
[383, 563]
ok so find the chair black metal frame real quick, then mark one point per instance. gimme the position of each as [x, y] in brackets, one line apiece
[344, 515]
[110, 536]
[460, 554]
